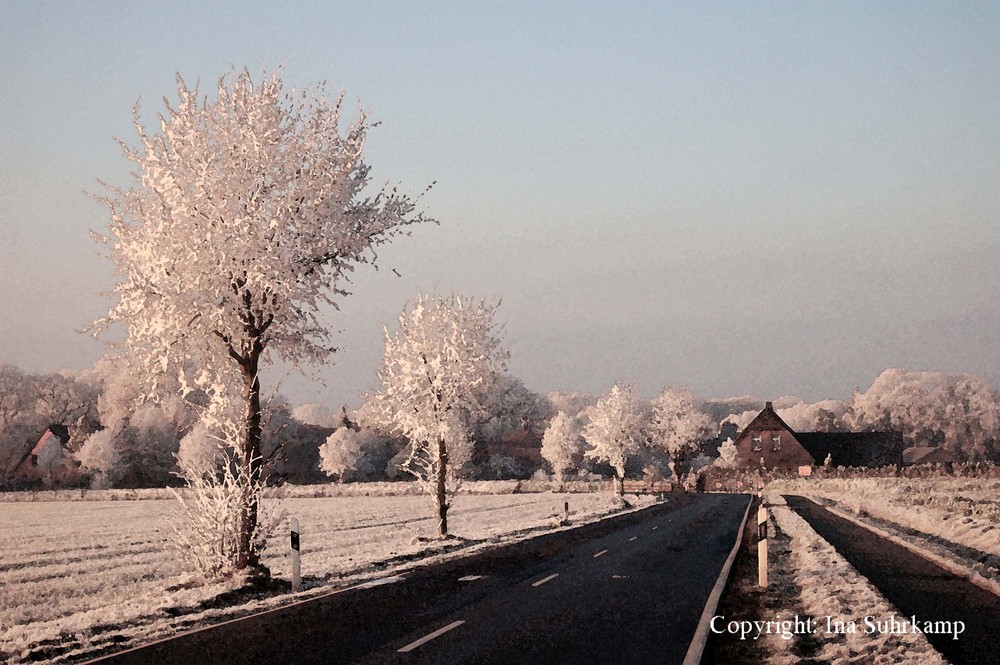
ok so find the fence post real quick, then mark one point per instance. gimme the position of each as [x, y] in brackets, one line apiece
[296, 564]
[762, 542]
[566, 512]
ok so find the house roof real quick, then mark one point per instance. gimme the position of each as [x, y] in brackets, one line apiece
[766, 421]
[870, 449]
[61, 432]
[927, 455]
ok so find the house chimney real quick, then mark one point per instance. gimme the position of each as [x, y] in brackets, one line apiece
[767, 405]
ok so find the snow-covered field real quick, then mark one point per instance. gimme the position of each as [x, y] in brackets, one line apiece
[822, 584]
[77, 576]
[957, 519]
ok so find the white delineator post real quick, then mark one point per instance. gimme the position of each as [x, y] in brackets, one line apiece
[762, 543]
[296, 564]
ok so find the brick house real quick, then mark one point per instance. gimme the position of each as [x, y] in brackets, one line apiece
[768, 441]
[48, 460]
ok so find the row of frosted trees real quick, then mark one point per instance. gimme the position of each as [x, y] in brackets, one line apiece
[247, 213]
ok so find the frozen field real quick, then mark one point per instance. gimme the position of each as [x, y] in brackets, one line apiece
[829, 586]
[76, 576]
[956, 519]
[962, 510]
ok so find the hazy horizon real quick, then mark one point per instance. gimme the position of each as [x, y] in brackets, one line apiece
[769, 199]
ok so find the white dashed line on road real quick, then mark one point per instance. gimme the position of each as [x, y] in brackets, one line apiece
[632, 538]
[545, 579]
[471, 578]
[655, 528]
[602, 552]
[427, 638]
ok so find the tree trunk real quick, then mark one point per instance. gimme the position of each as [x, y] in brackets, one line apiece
[442, 487]
[247, 554]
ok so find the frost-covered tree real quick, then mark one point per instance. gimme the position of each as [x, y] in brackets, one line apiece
[679, 425]
[727, 455]
[247, 214]
[145, 434]
[29, 403]
[100, 456]
[439, 369]
[573, 404]
[511, 407]
[823, 416]
[562, 445]
[959, 412]
[347, 453]
[315, 414]
[615, 431]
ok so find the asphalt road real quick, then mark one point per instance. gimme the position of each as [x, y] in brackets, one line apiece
[915, 585]
[626, 590]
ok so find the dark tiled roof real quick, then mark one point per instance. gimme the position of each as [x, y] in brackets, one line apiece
[766, 421]
[871, 449]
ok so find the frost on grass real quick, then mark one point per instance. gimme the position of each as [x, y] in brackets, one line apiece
[830, 587]
[79, 576]
[952, 517]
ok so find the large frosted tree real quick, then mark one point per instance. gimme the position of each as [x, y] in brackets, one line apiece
[439, 370]
[680, 425]
[614, 433]
[959, 412]
[562, 446]
[246, 215]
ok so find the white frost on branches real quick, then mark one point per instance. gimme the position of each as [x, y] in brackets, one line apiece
[956, 411]
[680, 424]
[615, 430]
[727, 455]
[562, 445]
[438, 371]
[248, 213]
[343, 453]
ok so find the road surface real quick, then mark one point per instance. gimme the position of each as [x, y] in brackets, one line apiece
[915, 585]
[630, 589]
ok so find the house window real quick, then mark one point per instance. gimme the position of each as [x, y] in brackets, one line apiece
[756, 442]
[776, 442]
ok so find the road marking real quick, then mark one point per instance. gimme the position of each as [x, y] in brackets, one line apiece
[384, 580]
[602, 552]
[697, 647]
[546, 579]
[655, 528]
[427, 638]
[471, 578]
[632, 538]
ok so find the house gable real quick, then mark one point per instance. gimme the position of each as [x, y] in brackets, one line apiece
[768, 438]
[45, 455]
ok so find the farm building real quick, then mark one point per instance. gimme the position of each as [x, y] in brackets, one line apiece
[769, 442]
[48, 459]
[927, 455]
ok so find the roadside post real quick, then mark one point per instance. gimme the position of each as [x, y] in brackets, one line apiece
[566, 512]
[296, 564]
[762, 542]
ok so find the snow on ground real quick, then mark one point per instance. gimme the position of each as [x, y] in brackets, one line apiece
[78, 576]
[957, 519]
[828, 586]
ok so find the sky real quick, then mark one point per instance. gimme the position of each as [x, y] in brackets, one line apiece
[742, 198]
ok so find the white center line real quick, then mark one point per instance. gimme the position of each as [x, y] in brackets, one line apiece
[471, 578]
[600, 553]
[427, 638]
[545, 579]
[632, 538]
[655, 528]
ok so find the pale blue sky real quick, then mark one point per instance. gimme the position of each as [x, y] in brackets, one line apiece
[767, 198]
